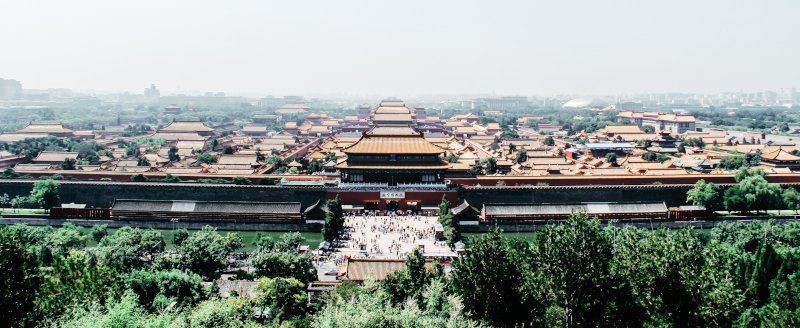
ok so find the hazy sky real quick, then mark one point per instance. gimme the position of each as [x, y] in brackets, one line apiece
[403, 47]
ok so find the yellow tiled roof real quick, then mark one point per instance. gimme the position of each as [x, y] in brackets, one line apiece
[392, 117]
[378, 144]
[780, 155]
[623, 129]
[185, 126]
[394, 166]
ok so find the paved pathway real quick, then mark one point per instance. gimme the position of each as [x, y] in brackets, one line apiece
[383, 237]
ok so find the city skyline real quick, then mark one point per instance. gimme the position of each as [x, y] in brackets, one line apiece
[383, 49]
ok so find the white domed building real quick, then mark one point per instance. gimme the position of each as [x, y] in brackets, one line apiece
[587, 102]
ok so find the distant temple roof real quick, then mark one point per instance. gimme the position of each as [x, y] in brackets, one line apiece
[55, 156]
[389, 130]
[392, 102]
[15, 137]
[43, 127]
[392, 118]
[392, 110]
[179, 136]
[186, 126]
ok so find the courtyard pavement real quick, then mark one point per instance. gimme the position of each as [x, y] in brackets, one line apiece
[382, 237]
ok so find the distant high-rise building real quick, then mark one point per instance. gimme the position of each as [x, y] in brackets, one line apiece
[10, 89]
[502, 103]
[629, 105]
[787, 96]
[152, 92]
[770, 97]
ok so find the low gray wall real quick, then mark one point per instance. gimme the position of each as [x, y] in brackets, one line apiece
[672, 195]
[699, 224]
[45, 221]
[103, 194]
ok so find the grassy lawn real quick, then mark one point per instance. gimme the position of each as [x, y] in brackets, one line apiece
[761, 213]
[313, 239]
[22, 211]
[524, 236]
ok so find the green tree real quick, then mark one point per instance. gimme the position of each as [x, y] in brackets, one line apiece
[242, 181]
[549, 141]
[172, 154]
[19, 279]
[157, 289]
[232, 312]
[98, 232]
[315, 166]
[205, 252]
[490, 165]
[733, 163]
[759, 194]
[60, 241]
[334, 220]
[171, 178]
[654, 157]
[664, 273]
[735, 200]
[142, 162]
[9, 173]
[744, 172]
[285, 297]
[4, 201]
[476, 169]
[73, 282]
[284, 264]
[611, 158]
[129, 248]
[21, 202]
[522, 157]
[571, 273]
[68, 164]
[791, 199]
[488, 280]
[263, 241]
[760, 273]
[705, 194]
[693, 142]
[415, 267]
[179, 236]
[408, 283]
[289, 242]
[138, 177]
[449, 222]
[367, 307]
[233, 241]
[206, 158]
[45, 194]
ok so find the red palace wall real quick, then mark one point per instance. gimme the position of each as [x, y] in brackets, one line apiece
[426, 198]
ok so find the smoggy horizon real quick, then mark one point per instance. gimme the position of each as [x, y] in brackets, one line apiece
[409, 49]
